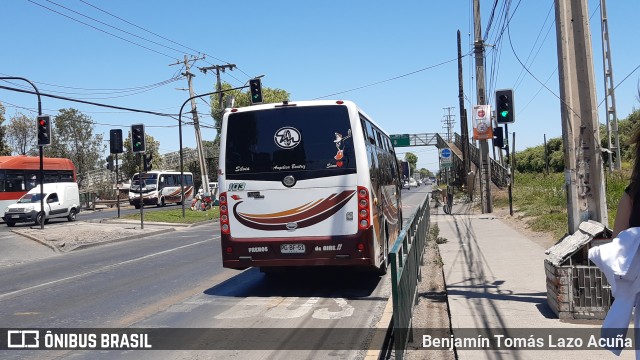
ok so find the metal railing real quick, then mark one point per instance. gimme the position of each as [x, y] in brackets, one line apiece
[499, 173]
[406, 257]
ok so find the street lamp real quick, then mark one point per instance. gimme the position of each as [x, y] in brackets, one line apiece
[180, 135]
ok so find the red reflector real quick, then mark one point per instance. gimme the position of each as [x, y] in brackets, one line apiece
[360, 247]
[229, 249]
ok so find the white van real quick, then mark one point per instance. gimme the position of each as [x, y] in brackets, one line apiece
[61, 200]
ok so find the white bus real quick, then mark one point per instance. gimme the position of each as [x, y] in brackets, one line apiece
[307, 183]
[160, 187]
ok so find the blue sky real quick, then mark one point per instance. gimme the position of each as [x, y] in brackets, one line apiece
[311, 49]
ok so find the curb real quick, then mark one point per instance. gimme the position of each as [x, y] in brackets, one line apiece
[130, 237]
[85, 246]
[137, 222]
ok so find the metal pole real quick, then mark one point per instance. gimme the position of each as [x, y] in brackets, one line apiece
[41, 150]
[506, 130]
[140, 182]
[117, 187]
[180, 135]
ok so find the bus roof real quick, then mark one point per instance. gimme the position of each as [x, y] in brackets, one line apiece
[305, 103]
[33, 163]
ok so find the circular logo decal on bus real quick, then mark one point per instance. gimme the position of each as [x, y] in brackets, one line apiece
[287, 137]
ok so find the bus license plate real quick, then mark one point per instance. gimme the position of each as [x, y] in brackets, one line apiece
[292, 248]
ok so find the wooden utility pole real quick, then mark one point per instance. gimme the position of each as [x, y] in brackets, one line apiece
[478, 46]
[196, 125]
[580, 128]
[464, 127]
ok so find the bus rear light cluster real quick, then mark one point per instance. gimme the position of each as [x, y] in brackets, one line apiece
[224, 214]
[363, 208]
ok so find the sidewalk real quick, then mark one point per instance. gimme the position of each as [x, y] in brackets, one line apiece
[495, 279]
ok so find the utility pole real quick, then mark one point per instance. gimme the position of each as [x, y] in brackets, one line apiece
[448, 123]
[609, 93]
[485, 178]
[217, 68]
[196, 125]
[464, 127]
[580, 128]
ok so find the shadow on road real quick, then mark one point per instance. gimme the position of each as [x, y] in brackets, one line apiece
[304, 282]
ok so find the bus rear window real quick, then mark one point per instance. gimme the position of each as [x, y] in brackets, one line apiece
[290, 139]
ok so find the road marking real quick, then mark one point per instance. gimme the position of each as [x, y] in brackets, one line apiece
[100, 269]
[283, 308]
[325, 314]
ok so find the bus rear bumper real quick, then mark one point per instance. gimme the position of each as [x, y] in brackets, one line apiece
[354, 250]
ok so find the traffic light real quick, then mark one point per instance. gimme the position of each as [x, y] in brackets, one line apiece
[498, 137]
[115, 141]
[147, 163]
[504, 106]
[44, 130]
[137, 138]
[256, 91]
[110, 163]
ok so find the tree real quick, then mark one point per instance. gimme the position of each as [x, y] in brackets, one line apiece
[73, 138]
[130, 163]
[4, 148]
[21, 135]
[412, 159]
[241, 99]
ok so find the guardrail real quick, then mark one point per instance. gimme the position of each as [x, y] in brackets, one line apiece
[406, 257]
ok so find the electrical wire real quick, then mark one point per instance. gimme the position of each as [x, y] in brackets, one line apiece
[101, 30]
[390, 79]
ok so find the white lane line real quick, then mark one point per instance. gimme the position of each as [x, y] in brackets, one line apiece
[100, 269]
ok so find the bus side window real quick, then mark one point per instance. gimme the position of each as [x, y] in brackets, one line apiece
[370, 133]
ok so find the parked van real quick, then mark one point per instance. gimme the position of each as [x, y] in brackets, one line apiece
[61, 200]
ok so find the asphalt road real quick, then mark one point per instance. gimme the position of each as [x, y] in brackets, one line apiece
[175, 280]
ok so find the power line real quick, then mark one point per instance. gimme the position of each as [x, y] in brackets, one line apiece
[101, 30]
[390, 79]
[88, 102]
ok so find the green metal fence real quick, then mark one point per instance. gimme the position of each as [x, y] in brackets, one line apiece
[406, 256]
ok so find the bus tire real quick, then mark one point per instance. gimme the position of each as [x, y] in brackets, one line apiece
[162, 203]
[10, 224]
[382, 269]
[137, 206]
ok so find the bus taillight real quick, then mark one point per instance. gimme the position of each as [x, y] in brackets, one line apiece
[363, 208]
[224, 214]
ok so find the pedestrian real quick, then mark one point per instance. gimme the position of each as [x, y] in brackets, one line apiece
[628, 213]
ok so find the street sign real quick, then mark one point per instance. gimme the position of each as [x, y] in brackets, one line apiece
[399, 140]
[446, 160]
[482, 129]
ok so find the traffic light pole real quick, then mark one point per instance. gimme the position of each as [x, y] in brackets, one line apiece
[180, 136]
[140, 155]
[41, 147]
[509, 170]
[117, 187]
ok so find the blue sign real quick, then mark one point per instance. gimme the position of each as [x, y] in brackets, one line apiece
[445, 153]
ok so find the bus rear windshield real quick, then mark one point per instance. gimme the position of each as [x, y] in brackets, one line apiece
[313, 141]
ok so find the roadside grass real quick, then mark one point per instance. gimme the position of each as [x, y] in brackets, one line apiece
[175, 216]
[541, 201]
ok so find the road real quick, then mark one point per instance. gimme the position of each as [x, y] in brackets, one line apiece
[176, 280]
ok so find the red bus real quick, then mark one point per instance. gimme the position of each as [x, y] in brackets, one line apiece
[19, 174]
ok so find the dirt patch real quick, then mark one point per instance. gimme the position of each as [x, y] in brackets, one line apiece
[518, 222]
[72, 236]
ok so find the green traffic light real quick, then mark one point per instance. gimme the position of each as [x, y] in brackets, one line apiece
[504, 113]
